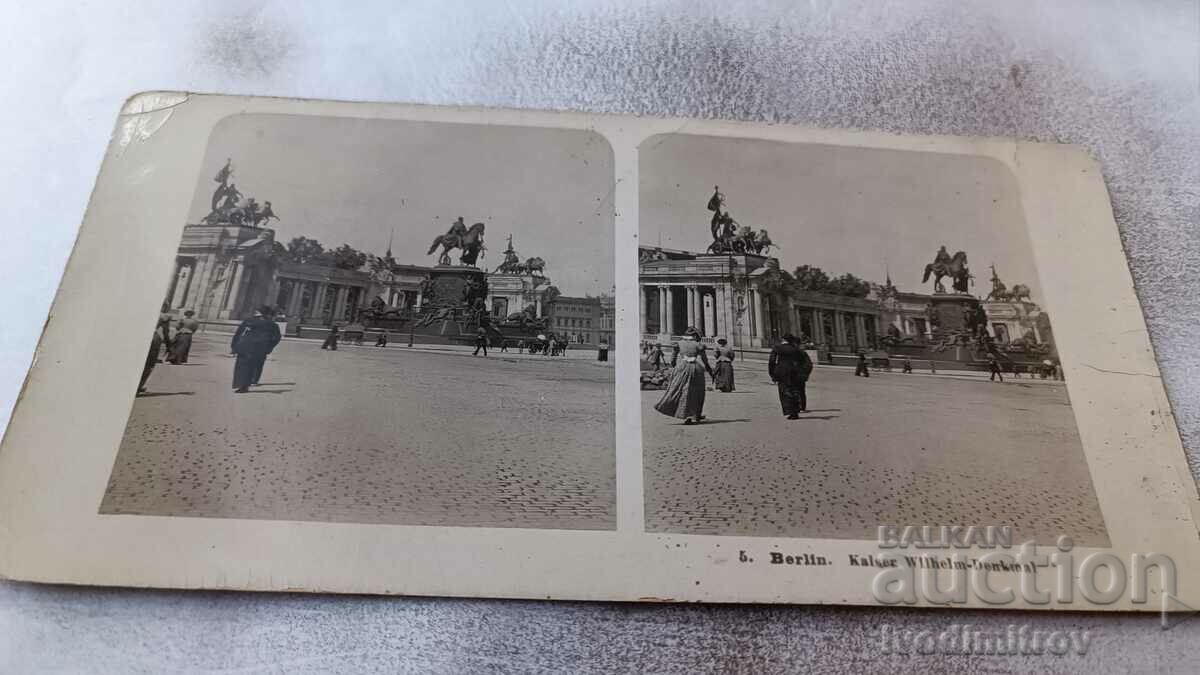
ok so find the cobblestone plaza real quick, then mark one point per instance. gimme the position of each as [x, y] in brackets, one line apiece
[370, 435]
[890, 449]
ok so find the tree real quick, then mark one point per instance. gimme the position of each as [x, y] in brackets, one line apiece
[809, 278]
[305, 250]
[850, 286]
[346, 257]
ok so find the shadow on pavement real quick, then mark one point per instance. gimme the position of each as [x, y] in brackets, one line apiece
[153, 394]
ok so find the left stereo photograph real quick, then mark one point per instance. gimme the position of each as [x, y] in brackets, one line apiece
[383, 321]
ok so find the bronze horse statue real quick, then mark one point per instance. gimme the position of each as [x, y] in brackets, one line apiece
[955, 268]
[468, 240]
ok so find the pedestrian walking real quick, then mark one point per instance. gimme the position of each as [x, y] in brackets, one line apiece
[674, 354]
[861, 369]
[907, 365]
[656, 359]
[331, 340]
[684, 397]
[994, 368]
[481, 342]
[382, 339]
[602, 351]
[151, 357]
[723, 377]
[255, 338]
[789, 368]
[503, 345]
[164, 332]
[182, 345]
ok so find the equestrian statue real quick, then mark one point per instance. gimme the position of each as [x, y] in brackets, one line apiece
[945, 265]
[468, 240]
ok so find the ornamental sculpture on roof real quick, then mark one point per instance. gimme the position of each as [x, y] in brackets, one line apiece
[729, 236]
[228, 208]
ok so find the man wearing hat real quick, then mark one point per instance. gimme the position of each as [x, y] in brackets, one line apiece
[789, 368]
[481, 342]
[255, 338]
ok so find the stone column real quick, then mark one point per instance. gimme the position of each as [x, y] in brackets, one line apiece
[759, 320]
[183, 280]
[420, 297]
[538, 305]
[293, 308]
[818, 331]
[643, 328]
[670, 305]
[339, 303]
[662, 309]
[708, 311]
[720, 302]
[860, 330]
[235, 285]
[689, 296]
[317, 310]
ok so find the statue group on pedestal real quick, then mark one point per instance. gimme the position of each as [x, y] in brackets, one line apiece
[227, 206]
[512, 263]
[459, 236]
[731, 237]
[1001, 293]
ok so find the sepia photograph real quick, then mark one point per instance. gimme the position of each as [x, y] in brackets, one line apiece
[383, 321]
[397, 349]
[838, 338]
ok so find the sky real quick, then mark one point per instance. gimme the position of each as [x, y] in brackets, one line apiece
[864, 211]
[355, 181]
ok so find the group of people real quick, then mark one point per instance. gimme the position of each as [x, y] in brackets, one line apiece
[177, 345]
[253, 340]
[789, 367]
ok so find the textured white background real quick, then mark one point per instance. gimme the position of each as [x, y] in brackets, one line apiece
[1118, 78]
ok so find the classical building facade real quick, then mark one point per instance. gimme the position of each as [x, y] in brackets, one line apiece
[835, 322]
[317, 294]
[717, 294]
[726, 295]
[222, 272]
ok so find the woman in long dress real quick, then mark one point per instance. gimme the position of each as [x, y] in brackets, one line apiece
[684, 397]
[723, 379]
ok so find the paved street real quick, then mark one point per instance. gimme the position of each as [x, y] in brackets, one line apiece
[892, 449]
[369, 435]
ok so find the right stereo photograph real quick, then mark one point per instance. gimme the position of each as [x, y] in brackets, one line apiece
[837, 338]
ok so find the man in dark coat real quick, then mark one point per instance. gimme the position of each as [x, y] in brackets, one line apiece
[861, 369]
[994, 368]
[255, 338]
[151, 358]
[331, 340]
[481, 342]
[789, 368]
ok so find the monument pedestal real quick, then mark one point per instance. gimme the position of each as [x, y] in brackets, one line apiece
[951, 311]
[458, 287]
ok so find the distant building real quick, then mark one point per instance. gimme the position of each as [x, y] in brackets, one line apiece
[586, 320]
